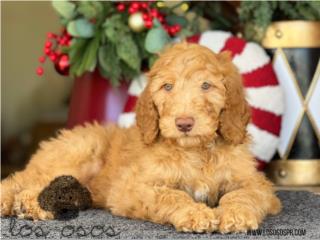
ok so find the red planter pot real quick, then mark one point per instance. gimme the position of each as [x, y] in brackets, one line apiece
[94, 99]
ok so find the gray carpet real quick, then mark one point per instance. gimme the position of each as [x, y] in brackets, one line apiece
[300, 219]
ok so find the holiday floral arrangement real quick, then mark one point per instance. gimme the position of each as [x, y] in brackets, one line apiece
[120, 39]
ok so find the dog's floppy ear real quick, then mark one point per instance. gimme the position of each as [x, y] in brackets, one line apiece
[236, 114]
[147, 117]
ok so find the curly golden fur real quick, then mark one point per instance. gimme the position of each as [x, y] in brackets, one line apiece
[201, 179]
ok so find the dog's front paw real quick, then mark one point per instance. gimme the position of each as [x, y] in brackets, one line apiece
[26, 205]
[238, 219]
[202, 219]
[6, 205]
[6, 200]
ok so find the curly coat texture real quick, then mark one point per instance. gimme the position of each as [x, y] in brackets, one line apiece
[203, 180]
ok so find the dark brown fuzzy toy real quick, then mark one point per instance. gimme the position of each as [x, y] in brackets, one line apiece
[63, 194]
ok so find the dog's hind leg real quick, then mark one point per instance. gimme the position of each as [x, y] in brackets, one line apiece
[80, 152]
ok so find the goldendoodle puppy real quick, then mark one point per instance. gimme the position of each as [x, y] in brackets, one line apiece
[185, 163]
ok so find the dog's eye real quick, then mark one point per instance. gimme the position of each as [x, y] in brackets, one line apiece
[205, 86]
[167, 87]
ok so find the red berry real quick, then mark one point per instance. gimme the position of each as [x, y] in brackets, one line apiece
[177, 28]
[48, 44]
[39, 71]
[172, 30]
[135, 5]
[63, 41]
[47, 51]
[146, 16]
[53, 57]
[148, 24]
[121, 7]
[51, 35]
[64, 62]
[154, 12]
[132, 10]
[42, 59]
[161, 18]
[144, 5]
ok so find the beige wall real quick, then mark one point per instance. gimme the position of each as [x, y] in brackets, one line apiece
[24, 96]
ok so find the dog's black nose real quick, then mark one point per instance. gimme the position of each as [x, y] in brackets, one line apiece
[184, 124]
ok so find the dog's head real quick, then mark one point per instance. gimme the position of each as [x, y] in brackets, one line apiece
[192, 97]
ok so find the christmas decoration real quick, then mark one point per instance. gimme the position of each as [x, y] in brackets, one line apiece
[120, 39]
[264, 94]
[64, 193]
[62, 64]
[136, 22]
[53, 49]
[256, 16]
[296, 62]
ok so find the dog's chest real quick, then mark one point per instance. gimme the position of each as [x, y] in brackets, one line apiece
[199, 191]
[198, 177]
